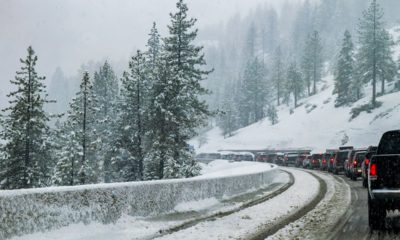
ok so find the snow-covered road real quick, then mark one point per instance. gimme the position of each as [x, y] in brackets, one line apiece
[245, 223]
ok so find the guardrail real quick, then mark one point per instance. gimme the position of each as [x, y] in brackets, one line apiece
[34, 210]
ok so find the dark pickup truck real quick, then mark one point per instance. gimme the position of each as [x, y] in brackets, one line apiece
[384, 180]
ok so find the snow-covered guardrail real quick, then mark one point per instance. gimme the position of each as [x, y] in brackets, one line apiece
[34, 210]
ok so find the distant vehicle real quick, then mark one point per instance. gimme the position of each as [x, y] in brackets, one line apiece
[271, 157]
[307, 162]
[261, 157]
[350, 160]
[371, 151]
[324, 161]
[315, 161]
[331, 159]
[208, 157]
[290, 159]
[300, 159]
[243, 156]
[355, 166]
[279, 160]
[384, 180]
[338, 162]
[228, 156]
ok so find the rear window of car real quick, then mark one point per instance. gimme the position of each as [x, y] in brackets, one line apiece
[342, 155]
[361, 156]
[390, 143]
[317, 156]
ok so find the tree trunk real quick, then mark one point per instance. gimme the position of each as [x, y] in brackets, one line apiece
[82, 176]
[28, 131]
[374, 63]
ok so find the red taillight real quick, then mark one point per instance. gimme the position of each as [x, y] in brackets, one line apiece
[332, 160]
[324, 161]
[366, 161]
[372, 170]
[355, 163]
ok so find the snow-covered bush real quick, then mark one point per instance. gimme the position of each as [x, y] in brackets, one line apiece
[33, 210]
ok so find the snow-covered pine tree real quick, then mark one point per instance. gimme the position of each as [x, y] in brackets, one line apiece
[387, 66]
[105, 88]
[133, 111]
[312, 62]
[77, 162]
[272, 114]
[228, 117]
[344, 73]
[374, 43]
[278, 74]
[255, 89]
[68, 154]
[152, 158]
[249, 50]
[153, 53]
[25, 130]
[160, 124]
[187, 111]
[295, 83]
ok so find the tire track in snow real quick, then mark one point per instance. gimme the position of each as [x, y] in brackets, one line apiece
[248, 204]
[271, 230]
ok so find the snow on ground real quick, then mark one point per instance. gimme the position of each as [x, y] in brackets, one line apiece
[128, 228]
[316, 124]
[250, 220]
[319, 223]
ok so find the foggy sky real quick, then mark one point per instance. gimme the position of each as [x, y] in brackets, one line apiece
[67, 33]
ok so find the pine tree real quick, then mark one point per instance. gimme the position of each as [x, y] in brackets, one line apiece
[312, 62]
[228, 118]
[272, 114]
[387, 66]
[105, 88]
[77, 162]
[152, 163]
[255, 90]
[133, 111]
[187, 111]
[373, 56]
[27, 154]
[295, 83]
[249, 50]
[344, 72]
[278, 74]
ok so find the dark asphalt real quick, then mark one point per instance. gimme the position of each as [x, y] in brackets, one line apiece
[354, 224]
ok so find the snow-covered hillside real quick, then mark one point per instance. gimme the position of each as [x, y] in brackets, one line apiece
[316, 124]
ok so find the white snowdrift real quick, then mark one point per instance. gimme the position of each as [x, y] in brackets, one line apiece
[34, 210]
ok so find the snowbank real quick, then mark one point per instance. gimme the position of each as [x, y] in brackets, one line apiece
[29, 211]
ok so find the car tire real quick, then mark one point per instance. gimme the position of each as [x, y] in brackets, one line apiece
[376, 214]
[365, 184]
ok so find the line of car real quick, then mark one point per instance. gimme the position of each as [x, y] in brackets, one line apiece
[353, 162]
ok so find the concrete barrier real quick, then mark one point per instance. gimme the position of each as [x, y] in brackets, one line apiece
[34, 210]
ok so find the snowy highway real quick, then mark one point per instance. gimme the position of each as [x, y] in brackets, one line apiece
[354, 224]
[300, 204]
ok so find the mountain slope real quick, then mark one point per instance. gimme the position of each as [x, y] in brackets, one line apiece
[316, 124]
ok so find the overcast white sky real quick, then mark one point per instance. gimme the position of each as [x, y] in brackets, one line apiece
[67, 33]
